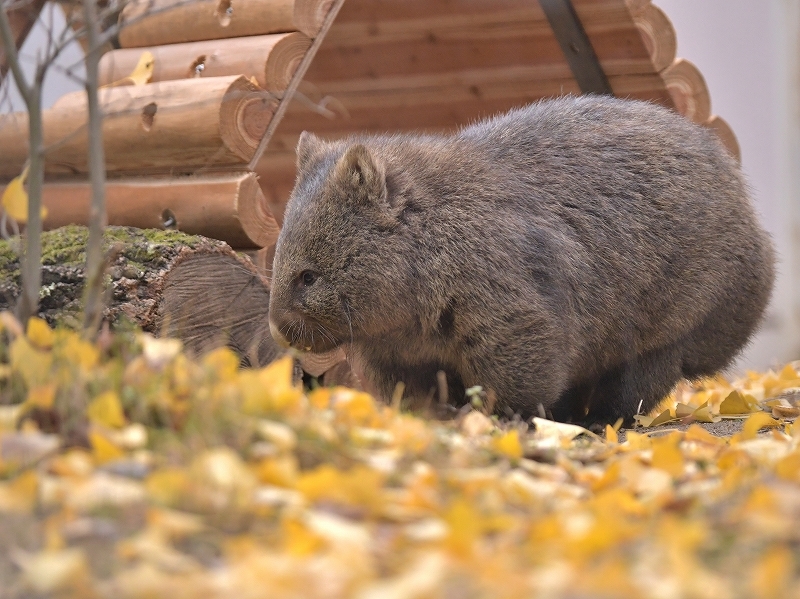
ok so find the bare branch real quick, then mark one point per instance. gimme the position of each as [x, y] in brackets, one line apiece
[12, 57]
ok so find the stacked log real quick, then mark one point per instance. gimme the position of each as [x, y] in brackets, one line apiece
[155, 22]
[161, 127]
[178, 149]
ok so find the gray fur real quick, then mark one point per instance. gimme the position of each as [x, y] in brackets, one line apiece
[582, 253]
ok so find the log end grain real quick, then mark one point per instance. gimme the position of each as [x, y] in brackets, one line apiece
[688, 89]
[218, 298]
[284, 60]
[254, 214]
[309, 15]
[658, 35]
[245, 113]
[726, 136]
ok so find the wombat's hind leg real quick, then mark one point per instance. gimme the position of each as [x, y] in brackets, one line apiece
[636, 387]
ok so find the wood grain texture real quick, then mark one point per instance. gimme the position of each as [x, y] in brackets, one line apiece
[161, 127]
[158, 22]
[271, 59]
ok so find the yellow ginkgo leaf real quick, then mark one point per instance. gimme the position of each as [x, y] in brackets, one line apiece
[738, 403]
[144, 69]
[104, 450]
[39, 333]
[141, 74]
[755, 423]
[106, 410]
[509, 445]
[668, 457]
[15, 199]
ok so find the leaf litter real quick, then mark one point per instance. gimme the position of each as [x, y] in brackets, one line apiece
[129, 469]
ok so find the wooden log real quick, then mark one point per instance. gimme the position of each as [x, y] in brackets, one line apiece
[213, 298]
[688, 89]
[165, 282]
[726, 135]
[161, 127]
[231, 208]
[158, 22]
[657, 33]
[21, 19]
[271, 59]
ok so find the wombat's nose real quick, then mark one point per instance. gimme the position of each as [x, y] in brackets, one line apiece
[278, 336]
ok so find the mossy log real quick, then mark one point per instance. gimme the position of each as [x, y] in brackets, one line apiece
[168, 283]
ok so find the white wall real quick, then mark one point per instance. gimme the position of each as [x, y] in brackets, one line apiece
[749, 53]
[56, 82]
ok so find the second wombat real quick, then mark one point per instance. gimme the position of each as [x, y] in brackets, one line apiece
[576, 257]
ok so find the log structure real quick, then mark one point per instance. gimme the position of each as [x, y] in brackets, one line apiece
[178, 148]
[225, 73]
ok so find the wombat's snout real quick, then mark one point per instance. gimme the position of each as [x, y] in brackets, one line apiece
[279, 338]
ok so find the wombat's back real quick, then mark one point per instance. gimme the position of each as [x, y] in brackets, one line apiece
[653, 218]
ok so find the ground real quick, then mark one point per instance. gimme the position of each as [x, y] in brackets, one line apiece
[129, 469]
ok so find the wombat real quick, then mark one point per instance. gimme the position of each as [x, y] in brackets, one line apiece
[575, 257]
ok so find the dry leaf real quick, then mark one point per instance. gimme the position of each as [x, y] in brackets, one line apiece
[15, 199]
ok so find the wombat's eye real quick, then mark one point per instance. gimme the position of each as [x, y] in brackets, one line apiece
[308, 278]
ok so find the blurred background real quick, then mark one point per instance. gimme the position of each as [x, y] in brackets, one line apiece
[749, 53]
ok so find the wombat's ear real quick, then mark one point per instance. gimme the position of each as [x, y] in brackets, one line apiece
[308, 145]
[359, 173]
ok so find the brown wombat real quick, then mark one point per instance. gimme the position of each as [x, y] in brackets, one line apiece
[576, 257]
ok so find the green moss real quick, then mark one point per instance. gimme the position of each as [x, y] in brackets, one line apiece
[65, 246]
[9, 257]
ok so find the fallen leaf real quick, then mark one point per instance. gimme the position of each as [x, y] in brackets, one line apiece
[15, 199]
[508, 445]
[737, 403]
[141, 74]
[106, 410]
